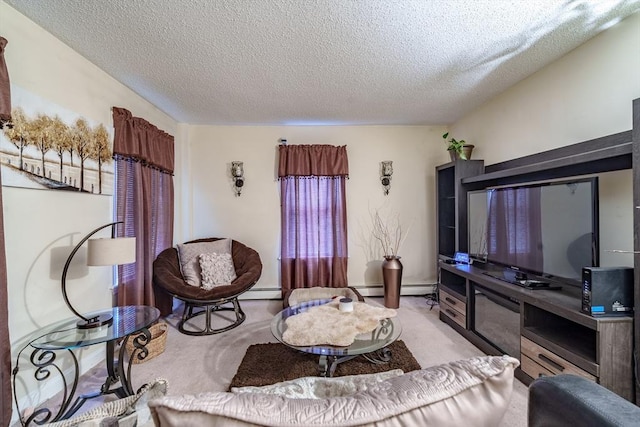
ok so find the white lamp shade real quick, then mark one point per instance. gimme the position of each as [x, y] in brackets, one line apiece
[121, 250]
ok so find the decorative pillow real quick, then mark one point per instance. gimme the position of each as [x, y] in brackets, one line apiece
[217, 270]
[188, 254]
[320, 387]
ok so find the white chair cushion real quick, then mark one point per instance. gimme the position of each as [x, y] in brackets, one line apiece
[188, 255]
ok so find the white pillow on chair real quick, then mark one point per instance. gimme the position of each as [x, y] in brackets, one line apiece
[217, 270]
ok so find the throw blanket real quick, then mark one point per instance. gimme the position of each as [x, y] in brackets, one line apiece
[326, 325]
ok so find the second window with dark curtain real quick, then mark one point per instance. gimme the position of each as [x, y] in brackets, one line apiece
[313, 216]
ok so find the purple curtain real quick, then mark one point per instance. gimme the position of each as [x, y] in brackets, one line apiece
[313, 215]
[514, 231]
[144, 200]
[5, 343]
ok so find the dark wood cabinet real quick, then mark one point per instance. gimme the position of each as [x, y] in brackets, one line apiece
[551, 334]
[451, 211]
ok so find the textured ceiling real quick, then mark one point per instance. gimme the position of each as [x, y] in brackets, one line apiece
[275, 62]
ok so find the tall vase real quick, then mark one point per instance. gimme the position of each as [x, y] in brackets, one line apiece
[392, 278]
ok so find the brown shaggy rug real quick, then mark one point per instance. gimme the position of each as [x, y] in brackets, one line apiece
[265, 364]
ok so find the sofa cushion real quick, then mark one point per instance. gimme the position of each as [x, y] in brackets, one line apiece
[132, 411]
[300, 295]
[566, 399]
[471, 392]
[217, 270]
[188, 254]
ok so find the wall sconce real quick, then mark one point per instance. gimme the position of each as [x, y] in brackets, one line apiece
[237, 172]
[386, 170]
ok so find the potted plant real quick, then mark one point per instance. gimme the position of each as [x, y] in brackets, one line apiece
[458, 148]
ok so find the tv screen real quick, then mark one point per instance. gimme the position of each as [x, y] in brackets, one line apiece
[548, 229]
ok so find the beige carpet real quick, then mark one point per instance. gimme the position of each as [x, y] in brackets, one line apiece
[199, 364]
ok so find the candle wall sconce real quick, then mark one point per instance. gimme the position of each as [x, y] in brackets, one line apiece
[237, 172]
[386, 170]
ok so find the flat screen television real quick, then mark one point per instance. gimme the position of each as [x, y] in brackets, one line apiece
[548, 229]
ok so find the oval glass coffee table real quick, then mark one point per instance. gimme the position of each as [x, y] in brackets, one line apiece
[371, 345]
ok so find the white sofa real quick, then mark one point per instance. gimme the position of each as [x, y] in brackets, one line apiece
[470, 392]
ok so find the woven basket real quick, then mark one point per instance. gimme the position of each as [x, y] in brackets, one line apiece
[155, 346]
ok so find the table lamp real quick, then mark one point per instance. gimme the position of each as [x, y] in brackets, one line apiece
[109, 251]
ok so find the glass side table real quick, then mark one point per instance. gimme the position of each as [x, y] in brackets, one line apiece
[129, 323]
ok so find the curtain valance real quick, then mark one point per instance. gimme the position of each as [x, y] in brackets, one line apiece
[5, 87]
[138, 139]
[316, 160]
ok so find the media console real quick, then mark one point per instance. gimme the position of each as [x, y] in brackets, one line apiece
[555, 336]
[544, 329]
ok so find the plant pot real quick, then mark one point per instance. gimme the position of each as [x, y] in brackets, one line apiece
[466, 149]
[392, 279]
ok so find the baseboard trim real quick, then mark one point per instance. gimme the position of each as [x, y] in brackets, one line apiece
[367, 291]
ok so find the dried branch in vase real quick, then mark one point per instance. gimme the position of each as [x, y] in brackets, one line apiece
[388, 232]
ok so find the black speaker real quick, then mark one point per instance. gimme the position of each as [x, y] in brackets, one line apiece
[607, 290]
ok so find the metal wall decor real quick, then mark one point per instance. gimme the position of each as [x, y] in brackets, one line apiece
[386, 170]
[237, 172]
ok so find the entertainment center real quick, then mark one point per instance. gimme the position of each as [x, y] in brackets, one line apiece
[527, 302]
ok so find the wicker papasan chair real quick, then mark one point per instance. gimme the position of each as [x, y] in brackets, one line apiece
[169, 283]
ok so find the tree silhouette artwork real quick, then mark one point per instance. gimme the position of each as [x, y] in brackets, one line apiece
[101, 150]
[51, 134]
[19, 133]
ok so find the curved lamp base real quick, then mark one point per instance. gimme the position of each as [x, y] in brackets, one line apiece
[95, 322]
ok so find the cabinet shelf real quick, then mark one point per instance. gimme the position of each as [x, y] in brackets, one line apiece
[575, 341]
[581, 352]
[451, 212]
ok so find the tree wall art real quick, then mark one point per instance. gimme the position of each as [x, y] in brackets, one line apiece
[51, 148]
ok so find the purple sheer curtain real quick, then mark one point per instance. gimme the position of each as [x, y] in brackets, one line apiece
[313, 215]
[5, 342]
[514, 232]
[144, 200]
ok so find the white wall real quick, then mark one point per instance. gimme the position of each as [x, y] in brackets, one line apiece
[37, 221]
[254, 217]
[586, 94]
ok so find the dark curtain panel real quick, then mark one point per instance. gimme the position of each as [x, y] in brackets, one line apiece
[5, 343]
[515, 229]
[5, 87]
[313, 215]
[144, 200]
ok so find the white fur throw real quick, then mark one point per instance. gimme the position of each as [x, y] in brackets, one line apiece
[326, 324]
